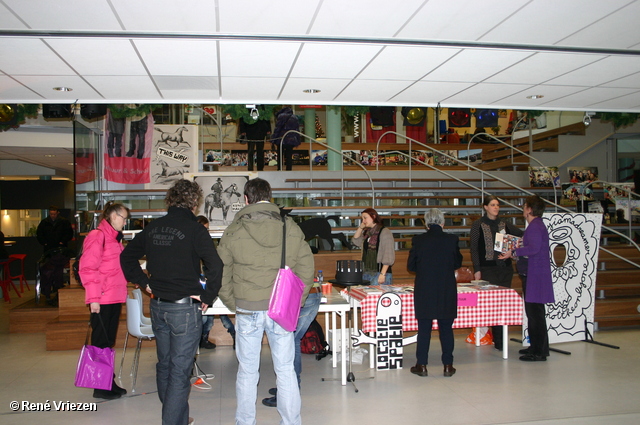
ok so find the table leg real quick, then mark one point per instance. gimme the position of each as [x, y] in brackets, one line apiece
[505, 342]
[343, 347]
[477, 336]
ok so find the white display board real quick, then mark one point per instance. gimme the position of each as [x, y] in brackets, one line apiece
[574, 278]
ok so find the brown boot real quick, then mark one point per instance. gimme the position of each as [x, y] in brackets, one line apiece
[420, 370]
[449, 370]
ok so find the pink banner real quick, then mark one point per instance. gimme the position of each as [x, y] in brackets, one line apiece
[127, 149]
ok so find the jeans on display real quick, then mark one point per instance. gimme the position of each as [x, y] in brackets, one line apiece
[250, 327]
[373, 278]
[308, 312]
[178, 328]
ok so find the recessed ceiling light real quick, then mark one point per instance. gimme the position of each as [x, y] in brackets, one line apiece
[63, 88]
[535, 96]
[49, 156]
[311, 91]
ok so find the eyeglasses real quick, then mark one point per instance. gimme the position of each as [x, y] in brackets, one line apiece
[119, 215]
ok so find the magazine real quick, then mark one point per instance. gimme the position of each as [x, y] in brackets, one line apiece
[505, 242]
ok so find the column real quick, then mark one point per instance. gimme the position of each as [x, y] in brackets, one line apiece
[334, 138]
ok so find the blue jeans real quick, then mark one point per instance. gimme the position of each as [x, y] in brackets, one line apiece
[250, 326]
[177, 328]
[308, 312]
[373, 278]
[207, 324]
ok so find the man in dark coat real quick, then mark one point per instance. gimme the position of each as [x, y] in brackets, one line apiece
[54, 233]
[434, 257]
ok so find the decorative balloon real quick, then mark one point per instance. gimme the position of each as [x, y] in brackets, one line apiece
[7, 113]
[415, 115]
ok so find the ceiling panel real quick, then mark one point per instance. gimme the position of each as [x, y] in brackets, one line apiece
[588, 97]
[368, 92]
[630, 81]
[246, 58]
[293, 90]
[484, 94]
[428, 93]
[119, 87]
[536, 70]
[65, 15]
[22, 56]
[621, 103]
[320, 60]
[417, 62]
[472, 65]
[44, 84]
[250, 90]
[179, 57]
[549, 93]
[99, 56]
[608, 69]
[267, 17]
[8, 20]
[12, 91]
[166, 16]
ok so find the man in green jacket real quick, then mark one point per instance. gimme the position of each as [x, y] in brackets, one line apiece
[251, 249]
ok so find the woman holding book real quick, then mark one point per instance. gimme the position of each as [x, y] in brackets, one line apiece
[486, 264]
[534, 267]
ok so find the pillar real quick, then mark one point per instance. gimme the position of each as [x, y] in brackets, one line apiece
[334, 138]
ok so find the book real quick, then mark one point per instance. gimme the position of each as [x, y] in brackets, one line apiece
[506, 242]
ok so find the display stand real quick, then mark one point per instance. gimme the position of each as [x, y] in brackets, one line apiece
[350, 376]
[589, 338]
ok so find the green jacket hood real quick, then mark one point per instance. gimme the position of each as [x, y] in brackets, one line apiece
[262, 222]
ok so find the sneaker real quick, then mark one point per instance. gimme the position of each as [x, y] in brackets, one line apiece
[273, 391]
[205, 343]
[105, 394]
[191, 421]
[270, 401]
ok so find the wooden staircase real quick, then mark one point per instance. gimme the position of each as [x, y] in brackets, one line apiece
[500, 156]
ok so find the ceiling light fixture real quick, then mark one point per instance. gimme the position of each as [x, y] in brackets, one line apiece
[62, 88]
[49, 156]
[311, 91]
[254, 114]
[587, 118]
[535, 96]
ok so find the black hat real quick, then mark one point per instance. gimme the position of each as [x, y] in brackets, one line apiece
[349, 272]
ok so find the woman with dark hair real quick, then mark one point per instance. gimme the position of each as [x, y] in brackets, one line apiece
[534, 267]
[486, 264]
[378, 252]
[104, 282]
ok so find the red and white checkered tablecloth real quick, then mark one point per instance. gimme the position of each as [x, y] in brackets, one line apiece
[496, 307]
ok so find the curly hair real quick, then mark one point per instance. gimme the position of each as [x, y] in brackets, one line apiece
[184, 194]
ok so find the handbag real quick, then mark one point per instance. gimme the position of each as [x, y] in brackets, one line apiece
[95, 365]
[284, 305]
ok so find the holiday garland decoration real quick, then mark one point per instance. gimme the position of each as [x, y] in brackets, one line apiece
[22, 112]
[619, 119]
[265, 112]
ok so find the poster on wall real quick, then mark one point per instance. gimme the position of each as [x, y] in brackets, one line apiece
[128, 149]
[582, 174]
[544, 177]
[574, 280]
[174, 152]
[223, 195]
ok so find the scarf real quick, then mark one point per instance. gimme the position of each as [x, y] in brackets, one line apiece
[371, 236]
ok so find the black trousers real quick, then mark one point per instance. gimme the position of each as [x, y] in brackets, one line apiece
[424, 340]
[497, 276]
[110, 315]
[287, 152]
[537, 324]
[258, 148]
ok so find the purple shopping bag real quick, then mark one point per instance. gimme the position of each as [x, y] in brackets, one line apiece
[95, 367]
[284, 305]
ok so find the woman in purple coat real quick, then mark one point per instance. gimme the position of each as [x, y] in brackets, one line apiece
[536, 278]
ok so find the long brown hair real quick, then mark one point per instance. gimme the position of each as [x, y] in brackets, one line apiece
[373, 214]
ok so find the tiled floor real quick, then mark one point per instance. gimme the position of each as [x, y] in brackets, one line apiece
[593, 385]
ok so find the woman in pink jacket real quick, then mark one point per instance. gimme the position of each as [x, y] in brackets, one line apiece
[105, 284]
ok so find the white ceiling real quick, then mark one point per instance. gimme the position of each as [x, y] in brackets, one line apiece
[578, 54]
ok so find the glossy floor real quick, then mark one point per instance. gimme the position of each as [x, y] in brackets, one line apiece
[593, 385]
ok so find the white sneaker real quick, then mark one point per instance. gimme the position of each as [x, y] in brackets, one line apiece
[191, 421]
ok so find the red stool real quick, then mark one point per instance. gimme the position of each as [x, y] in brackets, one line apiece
[21, 257]
[5, 282]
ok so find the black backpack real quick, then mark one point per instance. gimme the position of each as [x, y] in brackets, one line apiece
[313, 341]
[75, 268]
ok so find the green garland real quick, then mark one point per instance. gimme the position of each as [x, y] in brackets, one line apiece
[22, 112]
[124, 111]
[241, 111]
[619, 119]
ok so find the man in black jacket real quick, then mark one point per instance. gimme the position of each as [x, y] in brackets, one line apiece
[53, 233]
[174, 246]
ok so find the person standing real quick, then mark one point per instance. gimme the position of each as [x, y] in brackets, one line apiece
[486, 264]
[175, 246]
[434, 257]
[534, 267]
[104, 283]
[251, 249]
[378, 250]
[255, 133]
[53, 233]
[286, 121]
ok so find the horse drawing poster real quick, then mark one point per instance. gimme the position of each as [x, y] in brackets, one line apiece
[223, 195]
[574, 241]
[174, 152]
[127, 149]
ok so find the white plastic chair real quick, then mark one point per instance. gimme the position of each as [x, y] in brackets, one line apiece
[144, 320]
[137, 330]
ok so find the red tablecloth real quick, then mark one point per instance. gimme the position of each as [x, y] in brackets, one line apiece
[496, 307]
